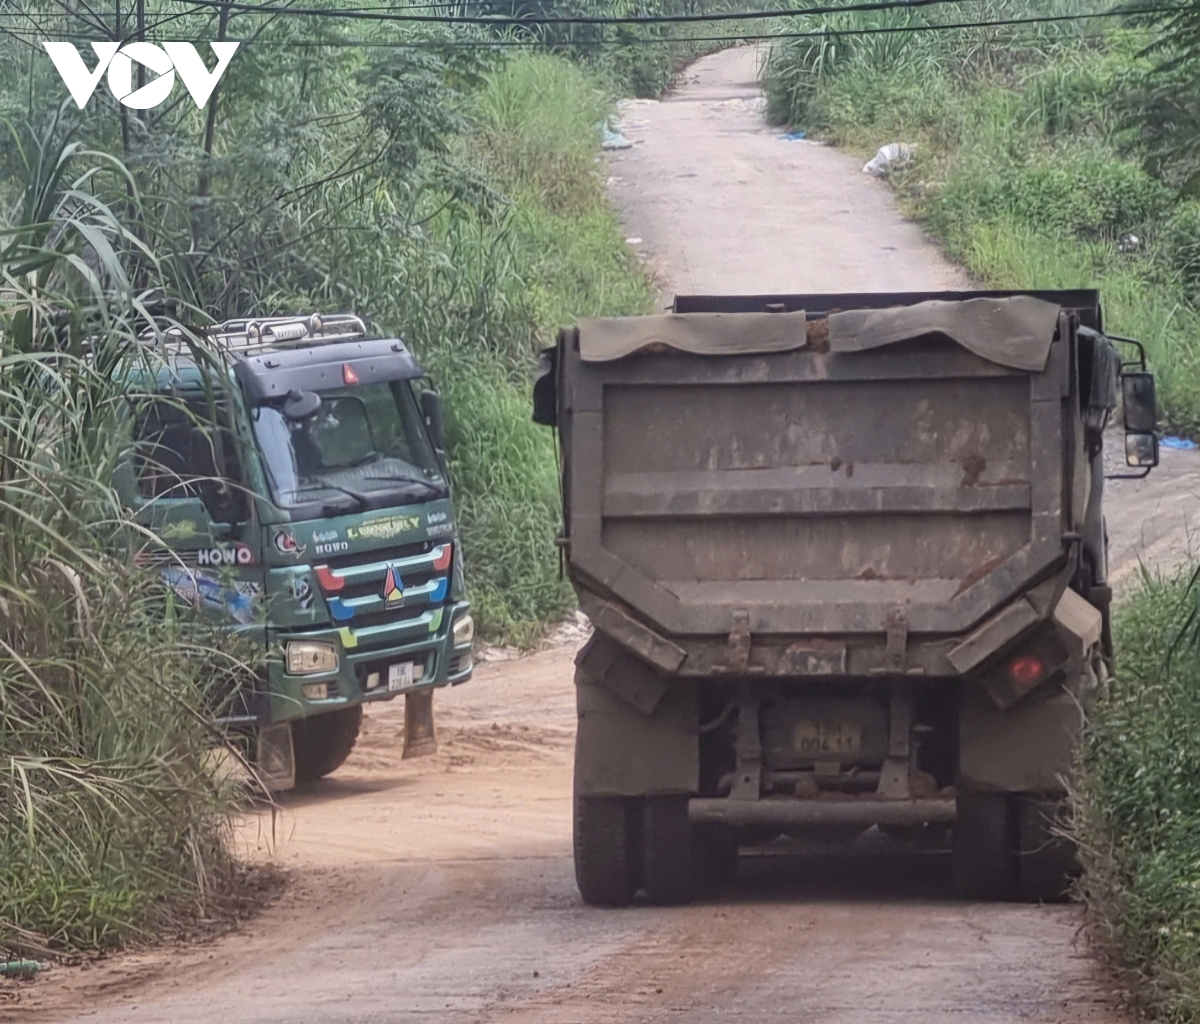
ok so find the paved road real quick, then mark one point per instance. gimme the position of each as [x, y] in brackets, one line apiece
[441, 889]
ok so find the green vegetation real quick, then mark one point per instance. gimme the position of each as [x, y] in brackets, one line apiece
[1138, 810]
[452, 194]
[111, 821]
[1028, 164]
[1054, 156]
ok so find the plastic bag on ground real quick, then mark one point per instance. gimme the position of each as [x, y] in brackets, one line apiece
[894, 154]
[614, 140]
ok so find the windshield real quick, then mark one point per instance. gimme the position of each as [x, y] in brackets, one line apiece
[365, 447]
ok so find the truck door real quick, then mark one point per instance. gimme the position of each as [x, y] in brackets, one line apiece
[190, 482]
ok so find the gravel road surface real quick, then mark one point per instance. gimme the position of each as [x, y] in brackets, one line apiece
[441, 889]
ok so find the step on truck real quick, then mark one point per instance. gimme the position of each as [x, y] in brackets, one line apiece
[296, 476]
[845, 560]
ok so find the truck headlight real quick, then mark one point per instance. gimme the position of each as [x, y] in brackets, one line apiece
[464, 631]
[304, 657]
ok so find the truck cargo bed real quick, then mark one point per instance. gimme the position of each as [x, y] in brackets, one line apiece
[817, 491]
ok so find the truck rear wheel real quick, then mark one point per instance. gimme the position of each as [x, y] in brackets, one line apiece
[605, 850]
[985, 847]
[323, 742]
[669, 868]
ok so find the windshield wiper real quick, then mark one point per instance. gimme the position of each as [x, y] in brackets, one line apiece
[358, 496]
[429, 485]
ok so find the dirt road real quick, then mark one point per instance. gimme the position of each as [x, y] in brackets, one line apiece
[441, 889]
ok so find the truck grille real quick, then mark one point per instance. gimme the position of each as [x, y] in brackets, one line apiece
[386, 596]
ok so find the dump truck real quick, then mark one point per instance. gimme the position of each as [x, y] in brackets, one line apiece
[845, 560]
[294, 470]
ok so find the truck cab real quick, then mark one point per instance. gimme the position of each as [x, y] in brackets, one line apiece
[295, 473]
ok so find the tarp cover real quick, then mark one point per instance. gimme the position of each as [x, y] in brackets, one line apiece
[1013, 332]
[705, 334]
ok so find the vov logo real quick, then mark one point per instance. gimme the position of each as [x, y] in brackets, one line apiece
[164, 59]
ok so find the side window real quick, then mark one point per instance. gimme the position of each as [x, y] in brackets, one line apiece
[181, 453]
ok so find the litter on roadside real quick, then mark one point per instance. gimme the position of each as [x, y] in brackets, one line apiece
[894, 154]
[614, 140]
[1177, 443]
[793, 136]
[19, 968]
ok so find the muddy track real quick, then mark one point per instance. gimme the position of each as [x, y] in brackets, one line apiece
[441, 889]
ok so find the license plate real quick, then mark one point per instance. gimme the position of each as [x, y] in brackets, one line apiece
[400, 677]
[814, 739]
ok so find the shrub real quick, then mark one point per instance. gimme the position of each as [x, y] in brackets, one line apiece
[1138, 813]
[1092, 195]
[1181, 247]
[113, 821]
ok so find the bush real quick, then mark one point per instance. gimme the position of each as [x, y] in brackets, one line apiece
[1181, 247]
[1138, 809]
[113, 822]
[1091, 195]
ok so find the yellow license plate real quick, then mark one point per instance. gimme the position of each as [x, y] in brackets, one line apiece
[817, 739]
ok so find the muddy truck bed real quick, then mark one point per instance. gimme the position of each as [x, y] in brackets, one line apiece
[845, 558]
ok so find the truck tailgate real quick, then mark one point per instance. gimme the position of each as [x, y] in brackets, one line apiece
[816, 491]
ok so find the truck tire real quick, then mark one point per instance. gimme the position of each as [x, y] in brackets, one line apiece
[605, 850]
[323, 742]
[1047, 864]
[985, 847]
[669, 868]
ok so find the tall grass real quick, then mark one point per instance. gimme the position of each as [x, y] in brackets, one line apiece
[1138, 808]
[112, 823]
[555, 253]
[1022, 166]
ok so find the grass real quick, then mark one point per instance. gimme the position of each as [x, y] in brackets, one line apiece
[111, 823]
[1138, 810]
[1021, 171]
[558, 253]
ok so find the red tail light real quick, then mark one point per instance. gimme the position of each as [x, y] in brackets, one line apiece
[442, 562]
[348, 374]
[1025, 670]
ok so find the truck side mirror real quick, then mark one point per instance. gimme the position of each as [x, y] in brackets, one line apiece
[1141, 419]
[431, 410]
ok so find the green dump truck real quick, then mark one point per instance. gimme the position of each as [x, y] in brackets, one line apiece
[297, 475]
[846, 562]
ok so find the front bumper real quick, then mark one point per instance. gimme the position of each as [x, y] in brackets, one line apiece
[435, 658]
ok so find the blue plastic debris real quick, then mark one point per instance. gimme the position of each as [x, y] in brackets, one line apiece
[1178, 443]
[613, 139]
[794, 136]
